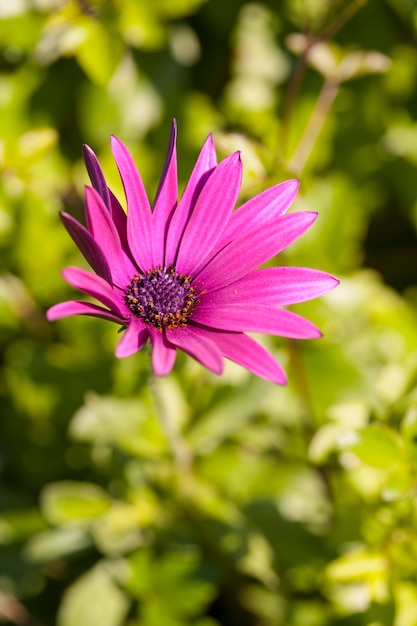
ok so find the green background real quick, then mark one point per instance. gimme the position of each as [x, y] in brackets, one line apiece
[268, 506]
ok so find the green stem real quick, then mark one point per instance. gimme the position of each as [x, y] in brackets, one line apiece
[290, 98]
[300, 378]
[179, 450]
[343, 19]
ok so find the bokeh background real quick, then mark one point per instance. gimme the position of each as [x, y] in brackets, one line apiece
[296, 506]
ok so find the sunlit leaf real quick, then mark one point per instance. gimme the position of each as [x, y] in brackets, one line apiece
[377, 446]
[70, 501]
[94, 598]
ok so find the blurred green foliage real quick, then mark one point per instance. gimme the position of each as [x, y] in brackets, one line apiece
[266, 506]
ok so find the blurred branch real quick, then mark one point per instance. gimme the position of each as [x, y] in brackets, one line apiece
[318, 116]
[86, 8]
[291, 94]
[302, 63]
[343, 19]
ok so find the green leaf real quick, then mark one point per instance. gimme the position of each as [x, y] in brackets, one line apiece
[93, 599]
[169, 587]
[35, 144]
[70, 501]
[99, 53]
[228, 415]
[405, 594]
[125, 423]
[19, 524]
[377, 446]
[398, 483]
[357, 565]
[57, 543]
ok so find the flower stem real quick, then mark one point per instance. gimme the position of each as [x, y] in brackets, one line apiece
[302, 384]
[177, 445]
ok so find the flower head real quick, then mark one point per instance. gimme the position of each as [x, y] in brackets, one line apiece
[183, 273]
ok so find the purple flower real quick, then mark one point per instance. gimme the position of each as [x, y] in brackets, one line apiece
[184, 273]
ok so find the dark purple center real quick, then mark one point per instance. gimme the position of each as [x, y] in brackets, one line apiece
[161, 297]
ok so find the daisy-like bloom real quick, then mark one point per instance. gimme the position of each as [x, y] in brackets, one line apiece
[183, 274]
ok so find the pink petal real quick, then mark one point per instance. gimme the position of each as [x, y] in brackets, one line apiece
[99, 183]
[119, 219]
[196, 342]
[203, 168]
[256, 246]
[88, 247]
[163, 353]
[94, 286]
[133, 340]
[139, 215]
[101, 226]
[74, 307]
[211, 213]
[166, 198]
[256, 319]
[267, 205]
[96, 175]
[247, 352]
[274, 286]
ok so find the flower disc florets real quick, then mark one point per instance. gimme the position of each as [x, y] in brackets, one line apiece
[161, 297]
